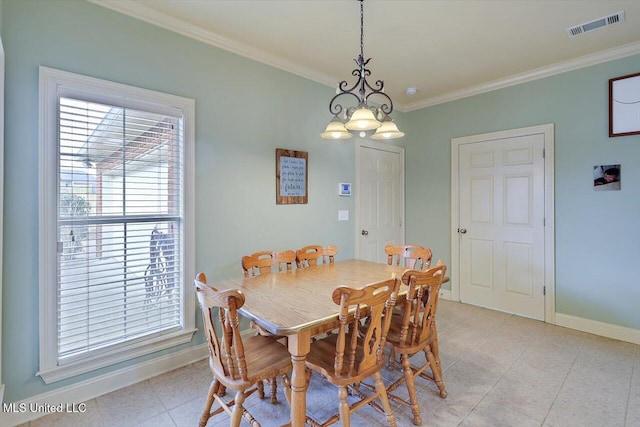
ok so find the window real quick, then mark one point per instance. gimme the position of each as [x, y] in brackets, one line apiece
[116, 217]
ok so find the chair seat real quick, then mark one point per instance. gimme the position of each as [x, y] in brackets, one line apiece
[321, 359]
[265, 358]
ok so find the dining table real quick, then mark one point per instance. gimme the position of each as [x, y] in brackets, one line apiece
[298, 304]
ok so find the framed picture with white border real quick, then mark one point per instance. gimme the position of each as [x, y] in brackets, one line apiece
[624, 105]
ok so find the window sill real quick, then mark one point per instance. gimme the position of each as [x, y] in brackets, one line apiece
[114, 356]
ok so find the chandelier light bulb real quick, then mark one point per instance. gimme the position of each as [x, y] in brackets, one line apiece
[362, 119]
[336, 130]
[388, 130]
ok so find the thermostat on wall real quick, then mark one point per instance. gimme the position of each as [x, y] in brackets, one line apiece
[344, 189]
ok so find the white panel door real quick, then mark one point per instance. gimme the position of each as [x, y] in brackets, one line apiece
[501, 191]
[380, 199]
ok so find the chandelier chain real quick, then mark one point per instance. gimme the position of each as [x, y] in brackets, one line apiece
[362, 28]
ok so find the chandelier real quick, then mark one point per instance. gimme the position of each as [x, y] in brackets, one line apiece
[363, 116]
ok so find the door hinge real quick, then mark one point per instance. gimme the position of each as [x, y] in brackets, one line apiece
[543, 153]
[401, 222]
[544, 290]
[544, 221]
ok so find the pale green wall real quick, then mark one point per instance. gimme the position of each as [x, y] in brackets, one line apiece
[597, 233]
[244, 111]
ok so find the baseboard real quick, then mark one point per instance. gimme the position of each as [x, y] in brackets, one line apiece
[94, 387]
[585, 325]
[599, 328]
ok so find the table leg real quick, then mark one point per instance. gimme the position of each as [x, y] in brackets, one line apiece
[299, 346]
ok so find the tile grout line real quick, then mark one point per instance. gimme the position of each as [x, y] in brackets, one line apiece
[636, 356]
[166, 410]
[564, 380]
[524, 350]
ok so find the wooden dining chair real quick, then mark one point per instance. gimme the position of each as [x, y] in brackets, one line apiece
[264, 261]
[314, 254]
[236, 364]
[411, 256]
[328, 254]
[284, 259]
[413, 331]
[260, 263]
[347, 356]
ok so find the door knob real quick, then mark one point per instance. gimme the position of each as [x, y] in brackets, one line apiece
[365, 233]
[462, 230]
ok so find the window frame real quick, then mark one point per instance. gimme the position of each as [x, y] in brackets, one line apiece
[52, 84]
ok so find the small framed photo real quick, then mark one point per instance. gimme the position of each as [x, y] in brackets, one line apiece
[624, 105]
[606, 177]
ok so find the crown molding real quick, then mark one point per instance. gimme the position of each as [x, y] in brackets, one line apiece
[535, 74]
[146, 14]
[176, 25]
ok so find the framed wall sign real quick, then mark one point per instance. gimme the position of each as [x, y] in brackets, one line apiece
[292, 177]
[624, 105]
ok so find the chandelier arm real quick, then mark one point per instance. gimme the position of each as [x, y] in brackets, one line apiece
[385, 108]
[379, 86]
[335, 108]
[343, 90]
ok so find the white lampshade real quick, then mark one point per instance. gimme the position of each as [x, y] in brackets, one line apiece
[362, 119]
[336, 130]
[388, 130]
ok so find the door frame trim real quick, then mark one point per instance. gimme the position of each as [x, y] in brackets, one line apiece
[549, 228]
[367, 143]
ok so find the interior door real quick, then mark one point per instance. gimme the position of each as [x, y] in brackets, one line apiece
[501, 226]
[379, 199]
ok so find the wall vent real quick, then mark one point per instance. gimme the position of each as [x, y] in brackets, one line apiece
[596, 24]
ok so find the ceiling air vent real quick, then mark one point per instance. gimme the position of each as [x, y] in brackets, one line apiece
[596, 24]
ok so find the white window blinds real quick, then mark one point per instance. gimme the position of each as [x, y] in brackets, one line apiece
[119, 225]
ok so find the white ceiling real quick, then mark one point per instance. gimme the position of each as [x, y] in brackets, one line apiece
[446, 49]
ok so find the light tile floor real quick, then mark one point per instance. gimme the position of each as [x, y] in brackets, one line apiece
[499, 370]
